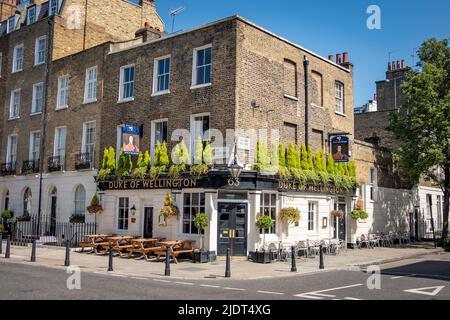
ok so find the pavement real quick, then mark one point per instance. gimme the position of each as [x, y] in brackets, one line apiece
[359, 259]
[425, 277]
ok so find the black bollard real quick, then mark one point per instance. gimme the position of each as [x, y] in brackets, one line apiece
[1, 243]
[8, 249]
[33, 251]
[293, 260]
[321, 266]
[228, 264]
[167, 269]
[67, 260]
[110, 263]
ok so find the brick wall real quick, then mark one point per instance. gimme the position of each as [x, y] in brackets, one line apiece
[372, 124]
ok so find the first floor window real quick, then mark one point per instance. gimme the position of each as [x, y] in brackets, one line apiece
[268, 207]
[200, 128]
[14, 104]
[193, 203]
[11, 151]
[27, 202]
[312, 209]
[89, 140]
[159, 134]
[80, 200]
[38, 98]
[39, 51]
[35, 143]
[202, 66]
[60, 144]
[18, 58]
[123, 213]
[161, 77]
[339, 97]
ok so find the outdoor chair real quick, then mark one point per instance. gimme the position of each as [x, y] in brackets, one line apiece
[365, 241]
[302, 247]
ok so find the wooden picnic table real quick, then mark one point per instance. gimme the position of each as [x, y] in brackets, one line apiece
[94, 241]
[175, 249]
[144, 247]
[120, 243]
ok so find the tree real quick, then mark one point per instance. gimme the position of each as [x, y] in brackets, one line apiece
[208, 154]
[304, 158]
[281, 156]
[422, 124]
[157, 156]
[310, 159]
[331, 168]
[105, 159]
[147, 160]
[164, 156]
[293, 157]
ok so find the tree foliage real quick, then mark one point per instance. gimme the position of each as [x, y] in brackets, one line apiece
[422, 124]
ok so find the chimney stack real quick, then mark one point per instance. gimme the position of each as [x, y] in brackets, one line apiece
[403, 64]
[338, 58]
[398, 65]
[331, 58]
[345, 57]
[389, 66]
[148, 32]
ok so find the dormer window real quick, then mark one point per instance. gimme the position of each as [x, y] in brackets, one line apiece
[12, 21]
[53, 7]
[31, 15]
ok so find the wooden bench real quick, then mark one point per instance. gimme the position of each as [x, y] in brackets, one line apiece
[176, 248]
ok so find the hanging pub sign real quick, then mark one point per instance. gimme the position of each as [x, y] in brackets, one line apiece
[130, 138]
[340, 149]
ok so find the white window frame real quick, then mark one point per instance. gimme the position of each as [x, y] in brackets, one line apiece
[52, 12]
[194, 67]
[192, 214]
[31, 150]
[156, 75]
[83, 142]
[14, 62]
[315, 219]
[58, 100]
[262, 206]
[125, 218]
[79, 202]
[121, 83]
[339, 96]
[12, 103]
[9, 149]
[29, 10]
[8, 28]
[33, 103]
[373, 184]
[87, 82]
[193, 139]
[56, 145]
[37, 51]
[153, 135]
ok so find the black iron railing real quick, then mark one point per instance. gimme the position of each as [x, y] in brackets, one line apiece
[52, 232]
[30, 166]
[55, 163]
[84, 161]
[8, 169]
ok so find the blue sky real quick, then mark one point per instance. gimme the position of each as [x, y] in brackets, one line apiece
[332, 26]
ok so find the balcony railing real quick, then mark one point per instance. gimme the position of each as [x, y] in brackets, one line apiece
[55, 164]
[84, 161]
[8, 169]
[30, 166]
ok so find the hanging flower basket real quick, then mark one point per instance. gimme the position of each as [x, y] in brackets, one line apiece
[338, 213]
[94, 209]
[169, 209]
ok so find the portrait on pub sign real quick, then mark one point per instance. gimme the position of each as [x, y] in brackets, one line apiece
[130, 138]
[340, 149]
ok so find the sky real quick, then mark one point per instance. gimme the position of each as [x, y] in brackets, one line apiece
[332, 26]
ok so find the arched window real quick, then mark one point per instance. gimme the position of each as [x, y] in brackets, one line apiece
[6, 202]
[80, 200]
[27, 202]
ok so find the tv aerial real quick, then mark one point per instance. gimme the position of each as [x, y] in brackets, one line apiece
[174, 13]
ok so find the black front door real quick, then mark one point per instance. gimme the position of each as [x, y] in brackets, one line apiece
[148, 222]
[53, 216]
[341, 234]
[232, 229]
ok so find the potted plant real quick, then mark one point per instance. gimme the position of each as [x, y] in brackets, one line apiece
[95, 206]
[263, 222]
[201, 223]
[359, 214]
[77, 218]
[169, 209]
[6, 214]
[2, 228]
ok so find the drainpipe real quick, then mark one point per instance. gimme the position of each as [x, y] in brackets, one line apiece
[306, 70]
[48, 63]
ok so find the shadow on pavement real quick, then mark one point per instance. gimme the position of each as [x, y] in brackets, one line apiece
[425, 269]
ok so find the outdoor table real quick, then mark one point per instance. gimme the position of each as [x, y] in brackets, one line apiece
[94, 241]
[120, 243]
[144, 247]
[175, 249]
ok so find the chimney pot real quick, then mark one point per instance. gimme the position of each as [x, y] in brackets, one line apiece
[345, 57]
[403, 64]
[338, 58]
[331, 57]
[398, 65]
[389, 66]
[393, 65]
